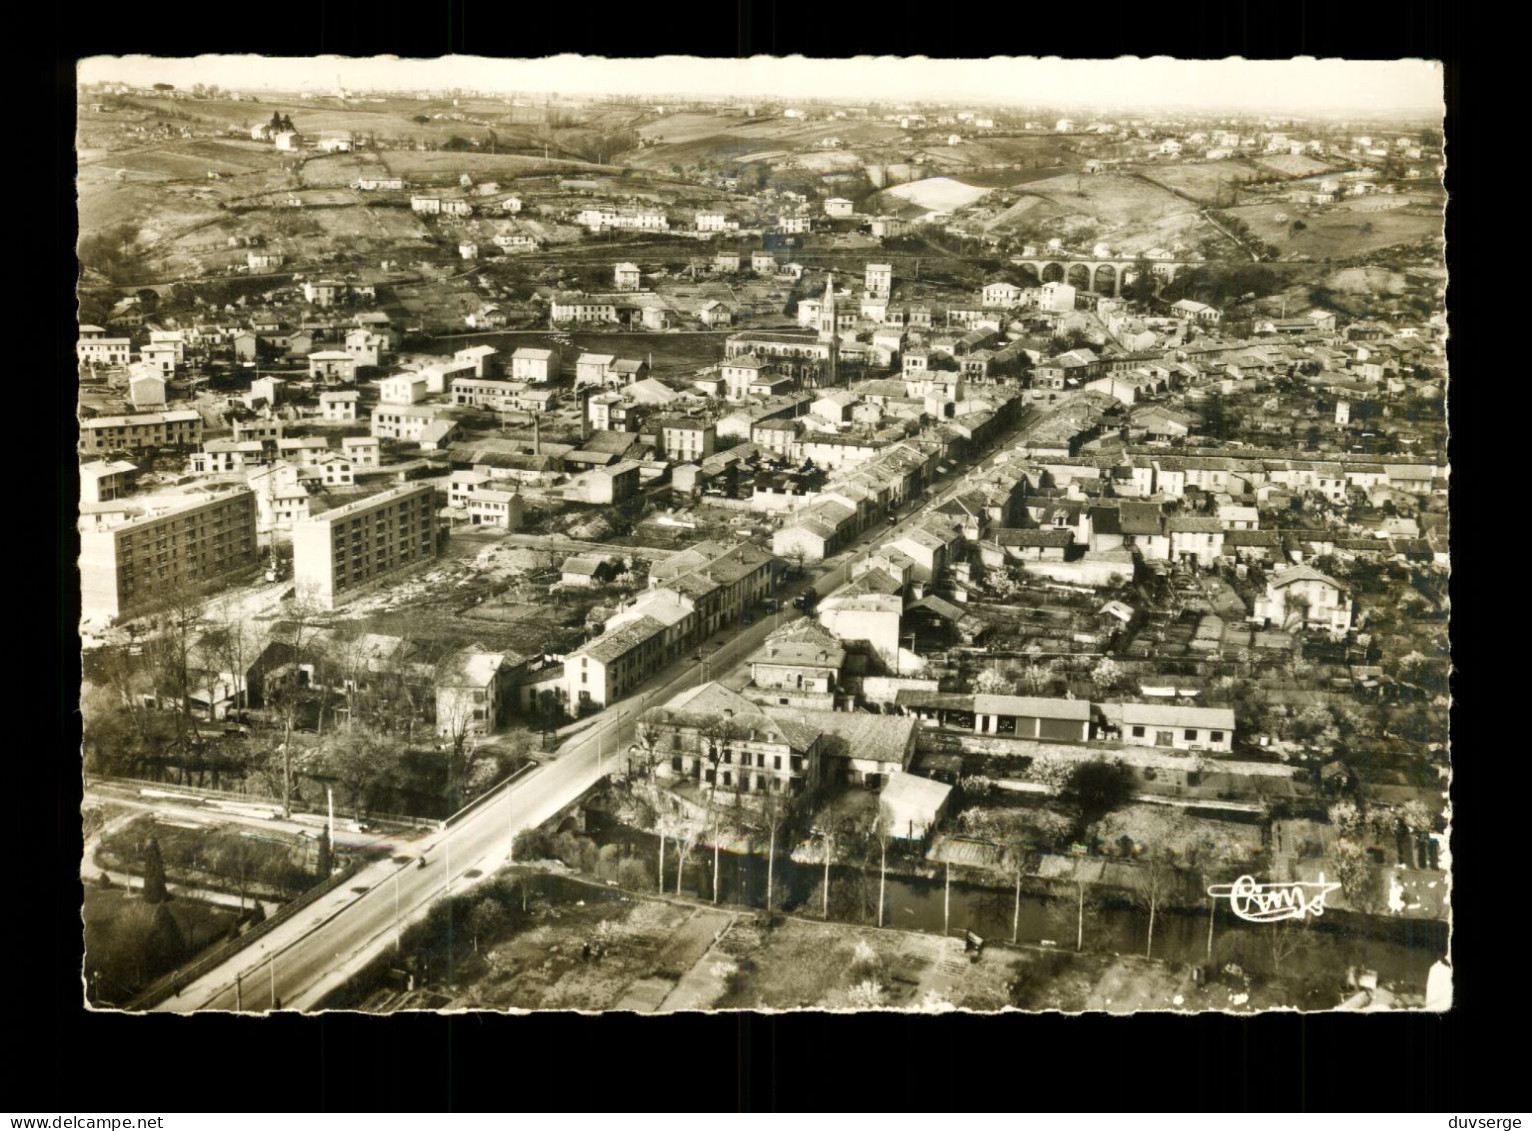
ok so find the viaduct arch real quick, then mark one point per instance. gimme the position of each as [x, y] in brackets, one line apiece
[1101, 276]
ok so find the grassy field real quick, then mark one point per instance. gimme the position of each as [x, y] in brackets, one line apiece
[1341, 231]
[189, 159]
[441, 167]
[691, 139]
[1202, 180]
[677, 129]
[1125, 212]
[341, 169]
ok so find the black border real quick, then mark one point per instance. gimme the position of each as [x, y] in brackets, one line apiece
[100, 1062]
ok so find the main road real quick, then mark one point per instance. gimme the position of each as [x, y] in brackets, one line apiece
[304, 959]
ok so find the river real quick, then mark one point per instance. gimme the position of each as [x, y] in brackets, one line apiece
[917, 903]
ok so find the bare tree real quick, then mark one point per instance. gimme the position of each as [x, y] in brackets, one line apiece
[1155, 881]
[882, 833]
[774, 813]
[356, 758]
[1073, 915]
[647, 734]
[686, 840]
[236, 644]
[1285, 939]
[287, 692]
[176, 618]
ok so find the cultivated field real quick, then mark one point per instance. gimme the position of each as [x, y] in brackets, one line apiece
[1293, 165]
[195, 157]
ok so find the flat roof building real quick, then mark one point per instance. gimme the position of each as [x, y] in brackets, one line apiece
[154, 548]
[340, 552]
[142, 430]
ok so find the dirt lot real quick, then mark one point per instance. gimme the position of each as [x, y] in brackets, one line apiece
[1339, 231]
[668, 354]
[942, 193]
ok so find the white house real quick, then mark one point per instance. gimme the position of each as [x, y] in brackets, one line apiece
[339, 406]
[537, 366]
[1001, 294]
[366, 347]
[1302, 597]
[627, 276]
[1057, 296]
[1196, 311]
[1175, 727]
[402, 388]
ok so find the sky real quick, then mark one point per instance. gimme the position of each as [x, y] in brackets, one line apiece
[1295, 86]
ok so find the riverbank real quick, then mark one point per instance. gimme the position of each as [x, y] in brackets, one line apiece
[539, 936]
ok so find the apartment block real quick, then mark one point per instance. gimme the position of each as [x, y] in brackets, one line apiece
[153, 548]
[340, 552]
[144, 430]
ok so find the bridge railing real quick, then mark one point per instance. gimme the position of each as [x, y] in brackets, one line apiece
[493, 791]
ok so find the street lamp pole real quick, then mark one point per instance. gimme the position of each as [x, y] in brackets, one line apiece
[272, 967]
[826, 904]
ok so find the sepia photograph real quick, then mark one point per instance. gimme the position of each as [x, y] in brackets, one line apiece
[701, 535]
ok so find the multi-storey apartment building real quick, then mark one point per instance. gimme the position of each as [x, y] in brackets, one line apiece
[638, 218]
[95, 348]
[338, 553]
[144, 430]
[132, 557]
[484, 392]
[405, 421]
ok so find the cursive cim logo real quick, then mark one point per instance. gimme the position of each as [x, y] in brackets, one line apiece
[1269, 903]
